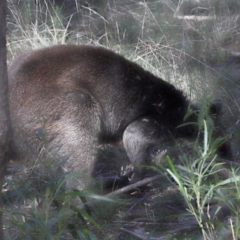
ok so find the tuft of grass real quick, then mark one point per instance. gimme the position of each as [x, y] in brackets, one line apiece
[58, 214]
[207, 196]
[34, 26]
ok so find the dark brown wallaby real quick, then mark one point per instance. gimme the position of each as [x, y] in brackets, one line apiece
[72, 99]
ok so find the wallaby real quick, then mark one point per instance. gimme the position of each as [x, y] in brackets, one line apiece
[72, 99]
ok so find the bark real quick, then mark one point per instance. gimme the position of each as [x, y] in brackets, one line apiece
[5, 124]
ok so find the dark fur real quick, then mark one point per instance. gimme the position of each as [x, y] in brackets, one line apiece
[79, 97]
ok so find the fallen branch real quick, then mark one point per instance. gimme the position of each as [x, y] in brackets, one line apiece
[134, 185]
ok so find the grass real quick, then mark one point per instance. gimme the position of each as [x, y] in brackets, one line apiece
[197, 191]
[185, 42]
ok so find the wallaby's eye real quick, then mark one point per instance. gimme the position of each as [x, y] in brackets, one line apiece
[224, 151]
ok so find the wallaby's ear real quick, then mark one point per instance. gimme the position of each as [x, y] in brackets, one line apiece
[215, 107]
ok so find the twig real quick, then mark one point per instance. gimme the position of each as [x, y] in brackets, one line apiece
[134, 185]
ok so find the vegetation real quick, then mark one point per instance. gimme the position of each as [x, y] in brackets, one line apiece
[193, 44]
